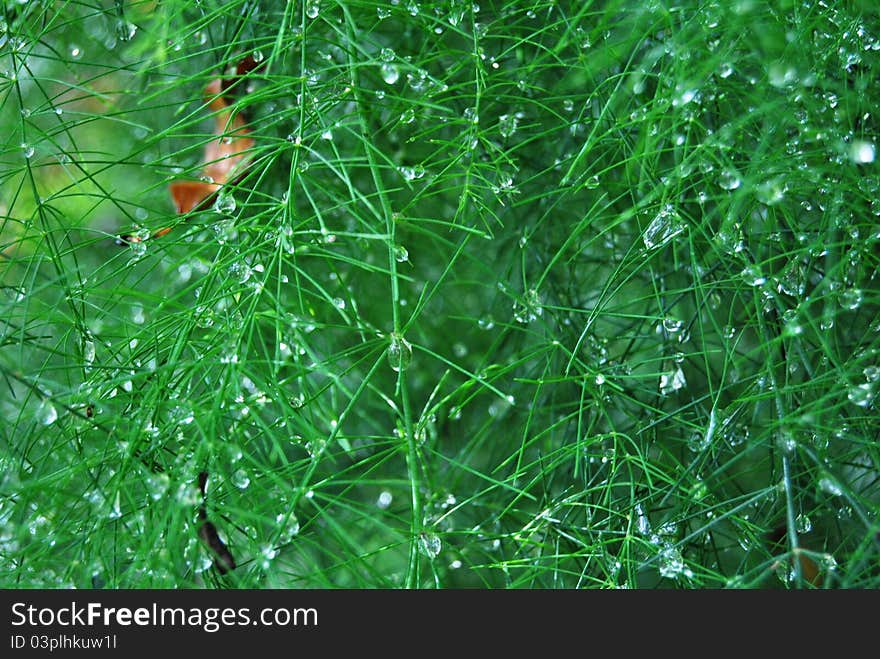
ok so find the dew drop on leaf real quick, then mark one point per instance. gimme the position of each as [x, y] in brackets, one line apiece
[861, 152]
[861, 394]
[399, 353]
[753, 276]
[664, 227]
[529, 308]
[240, 479]
[125, 30]
[46, 413]
[429, 545]
[803, 524]
[225, 203]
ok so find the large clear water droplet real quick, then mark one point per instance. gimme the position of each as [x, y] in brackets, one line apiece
[240, 479]
[829, 485]
[753, 276]
[46, 413]
[672, 563]
[430, 545]
[643, 524]
[384, 500]
[664, 227]
[125, 30]
[861, 152]
[399, 353]
[225, 203]
[289, 526]
[729, 179]
[771, 192]
[861, 394]
[267, 554]
[389, 72]
[672, 381]
[529, 308]
[88, 353]
[851, 298]
[803, 523]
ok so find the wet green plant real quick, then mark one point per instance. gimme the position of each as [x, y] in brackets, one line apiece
[511, 294]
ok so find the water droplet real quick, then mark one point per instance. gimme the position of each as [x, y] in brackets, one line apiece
[792, 326]
[89, 353]
[182, 415]
[725, 70]
[289, 526]
[508, 124]
[684, 95]
[781, 75]
[383, 12]
[861, 152]
[225, 203]
[313, 8]
[46, 413]
[387, 55]
[771, 192]
[408, 116]
[384, 500]
[339, 303]
[592, 183]
[412, 173]
[829, 485]
[401, 255]
[529, 308]
[240, 272]
[672, 563]
[116, 508]
[643, 524]
[672, 381]
[729, 179]
[672, 325]
[699, 441]
[664, 227]
[786, 442]
[27, 150]
[429, 545]
[157, 485]
[399, 353]
[486, 322]
[76, 52]
[188, 495]
[803, 524]
[753, 276]
[871, 373]
[851, 298]
[240, 479]
[862, 394]
[267, 552]
[125, 30]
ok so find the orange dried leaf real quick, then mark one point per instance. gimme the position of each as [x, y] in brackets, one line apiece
[223, 155]
[225, 158]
